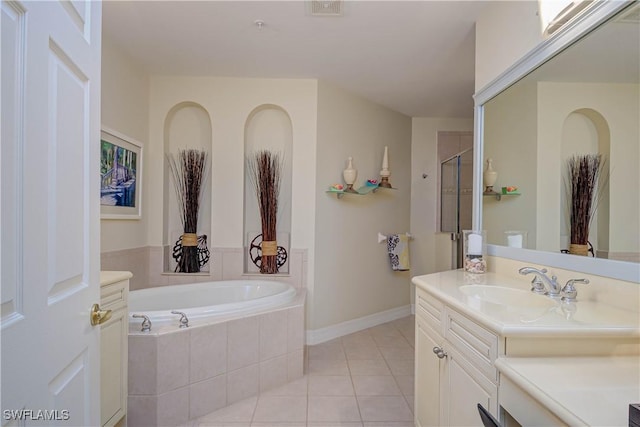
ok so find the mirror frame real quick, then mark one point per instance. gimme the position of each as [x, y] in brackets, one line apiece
[588, 20]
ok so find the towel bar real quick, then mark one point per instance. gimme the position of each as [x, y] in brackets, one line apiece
[382, 237]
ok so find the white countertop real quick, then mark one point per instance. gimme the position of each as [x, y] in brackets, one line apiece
[547, 319]
[601, 387]
[109, 277]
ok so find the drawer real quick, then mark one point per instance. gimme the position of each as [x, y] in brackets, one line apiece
[476, 343]
[114, 296]
[430, 309]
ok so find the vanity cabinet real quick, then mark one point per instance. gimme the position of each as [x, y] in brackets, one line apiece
[515, 352]
[114, 294]
[454, 366]
[428, 376]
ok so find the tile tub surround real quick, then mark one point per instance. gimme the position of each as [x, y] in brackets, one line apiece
[146, 264]
[364, 379]
[179, 375]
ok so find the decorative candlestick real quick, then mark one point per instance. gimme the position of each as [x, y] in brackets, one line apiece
[384, 173]
[350, 174]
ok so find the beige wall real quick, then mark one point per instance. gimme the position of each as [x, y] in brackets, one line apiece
[510, 139]
[505, 32]
[125, 109]
[353, 277]
[229, 102]
[431, 252]
[338, 235]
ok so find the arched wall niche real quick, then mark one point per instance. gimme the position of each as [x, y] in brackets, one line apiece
[187, 125]
[268, 127]
[586, 131]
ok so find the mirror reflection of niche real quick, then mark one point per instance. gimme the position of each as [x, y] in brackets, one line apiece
[584, 100]
[587, 132]
[583, 118]
[268, 127]
[187, 126]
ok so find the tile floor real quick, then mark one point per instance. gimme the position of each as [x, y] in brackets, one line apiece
[360, 380]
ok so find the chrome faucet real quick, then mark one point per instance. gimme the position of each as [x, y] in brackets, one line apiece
[146, 323]
[537, 282]
[569, 292]
[184, 321]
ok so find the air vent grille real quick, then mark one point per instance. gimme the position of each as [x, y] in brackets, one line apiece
[326, 7]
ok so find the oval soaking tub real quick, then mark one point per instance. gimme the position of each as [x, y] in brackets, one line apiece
[248, 329]
[200, 300]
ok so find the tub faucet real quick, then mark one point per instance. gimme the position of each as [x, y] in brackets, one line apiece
[537, 282]
[146, 323]
[184, 321]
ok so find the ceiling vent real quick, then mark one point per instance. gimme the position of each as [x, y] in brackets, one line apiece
[326, 7]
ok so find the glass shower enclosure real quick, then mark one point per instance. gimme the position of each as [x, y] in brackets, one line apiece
[456, 188]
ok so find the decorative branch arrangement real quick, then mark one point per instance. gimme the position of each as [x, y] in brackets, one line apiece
[189, 172]
[585, 185]
[265, 172]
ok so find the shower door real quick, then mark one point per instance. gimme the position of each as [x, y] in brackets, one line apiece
[456, 186]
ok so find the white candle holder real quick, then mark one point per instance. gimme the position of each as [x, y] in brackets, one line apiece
[475, 251]
[516, 238]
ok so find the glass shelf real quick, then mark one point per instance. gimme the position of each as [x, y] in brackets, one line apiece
[365, 189]
[499, 196]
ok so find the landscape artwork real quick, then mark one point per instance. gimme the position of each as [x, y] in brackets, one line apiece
[119, 177]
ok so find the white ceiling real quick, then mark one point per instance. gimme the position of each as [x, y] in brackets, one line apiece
[415, 57]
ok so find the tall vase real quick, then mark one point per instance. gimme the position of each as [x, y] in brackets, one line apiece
[490, 176]
[350, 174]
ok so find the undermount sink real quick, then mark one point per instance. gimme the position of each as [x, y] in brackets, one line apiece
[511, 297]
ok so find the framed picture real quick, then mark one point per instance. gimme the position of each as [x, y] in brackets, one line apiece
[120, 176]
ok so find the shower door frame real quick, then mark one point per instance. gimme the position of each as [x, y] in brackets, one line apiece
[456, 253]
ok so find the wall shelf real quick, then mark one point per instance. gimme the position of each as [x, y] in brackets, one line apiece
[499, 196]
[365, 189]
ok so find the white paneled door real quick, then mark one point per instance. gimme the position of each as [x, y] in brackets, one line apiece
[50, 212]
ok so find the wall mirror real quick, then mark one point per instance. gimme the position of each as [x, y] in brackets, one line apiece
[578, 93]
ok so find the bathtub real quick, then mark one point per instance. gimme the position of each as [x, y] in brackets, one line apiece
[244, 337]
[207, 299]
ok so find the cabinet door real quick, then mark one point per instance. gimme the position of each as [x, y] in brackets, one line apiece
[464, 387]
[428, 368]
[113, 364]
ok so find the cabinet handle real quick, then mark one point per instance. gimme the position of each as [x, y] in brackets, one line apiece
[438, 351]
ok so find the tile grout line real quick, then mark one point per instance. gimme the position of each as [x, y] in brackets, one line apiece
[355, 394]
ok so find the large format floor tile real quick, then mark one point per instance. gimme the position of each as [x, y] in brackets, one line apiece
[364, 379]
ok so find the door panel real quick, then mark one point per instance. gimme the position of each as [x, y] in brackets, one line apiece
[13, 48]
[50, 209]
[68, 93]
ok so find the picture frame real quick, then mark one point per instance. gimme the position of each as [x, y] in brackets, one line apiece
[120, 176]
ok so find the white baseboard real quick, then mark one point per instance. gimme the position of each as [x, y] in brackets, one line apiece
[317, 336]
